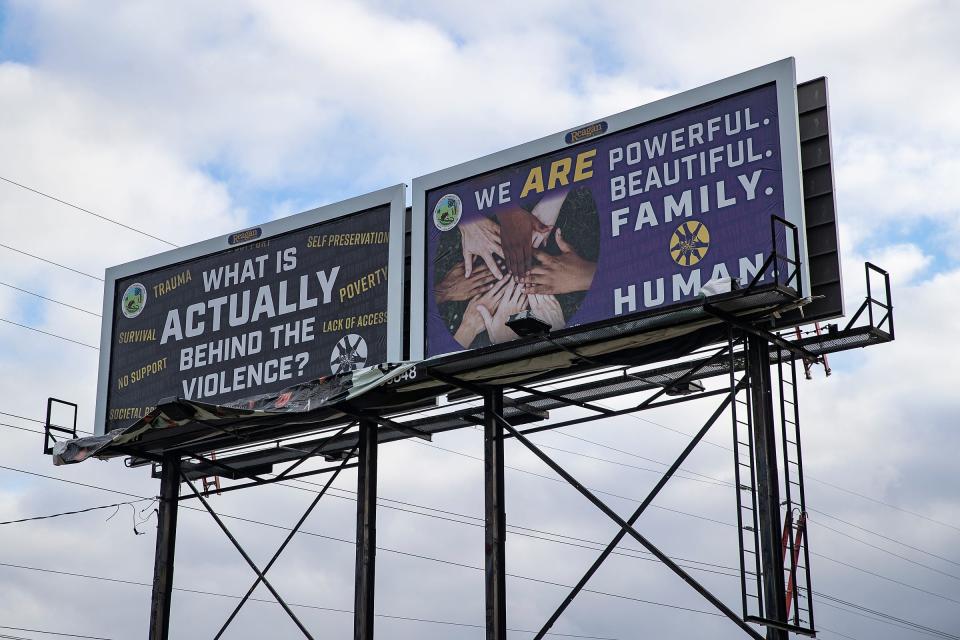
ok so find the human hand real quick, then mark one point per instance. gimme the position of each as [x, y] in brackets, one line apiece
[547, 309]
[481, 238]
[564, 273]
[517, 228]
[495, 321]
[457, 286]
[472, 323]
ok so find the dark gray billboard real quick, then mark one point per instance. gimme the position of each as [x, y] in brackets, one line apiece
[284, 303]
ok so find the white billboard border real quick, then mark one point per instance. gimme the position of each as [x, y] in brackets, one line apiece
[395, 197]
[782, 73]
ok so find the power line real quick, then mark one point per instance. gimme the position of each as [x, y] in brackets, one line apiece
[75, 512]
[87, 211]
[13, 426]
[65, 304]
[880, 576]
[47, 333]
[56, 264]
[807, 476]
[38, 421]
[887, 616]
[888, 552]
[719, 482]
[820, 524]
[276, 526]
[292, 604]
[54, 633]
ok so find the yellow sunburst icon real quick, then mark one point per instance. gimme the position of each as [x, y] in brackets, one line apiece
[689, 243]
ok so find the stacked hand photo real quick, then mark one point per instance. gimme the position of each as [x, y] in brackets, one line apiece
[510, 262]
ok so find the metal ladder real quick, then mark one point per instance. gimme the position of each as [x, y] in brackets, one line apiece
[796, 555]
[211, 482]
[751, 587]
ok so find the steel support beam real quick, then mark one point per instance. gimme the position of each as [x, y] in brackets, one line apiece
[631, 531]
[366, 533]
[768, 484]
[664, 479]
[247, 558]
[166, 545]
[495, 516]
[296, 529]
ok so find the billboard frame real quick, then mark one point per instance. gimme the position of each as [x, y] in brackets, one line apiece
[394, 197]
[781, 73]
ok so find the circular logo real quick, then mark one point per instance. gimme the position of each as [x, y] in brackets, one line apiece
[447, 213]
[134, 300]
[349, 354]
[689, 243]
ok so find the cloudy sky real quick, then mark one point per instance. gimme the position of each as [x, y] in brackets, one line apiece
[189, 120]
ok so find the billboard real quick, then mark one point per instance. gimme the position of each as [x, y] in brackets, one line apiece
[630, 214]
[299, 298]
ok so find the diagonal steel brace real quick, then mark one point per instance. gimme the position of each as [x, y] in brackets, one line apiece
[290, 535]
[628, 529]
[246, 557]
[668, 474]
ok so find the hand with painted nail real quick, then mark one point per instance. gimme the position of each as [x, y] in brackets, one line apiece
[517, 229]
[481, 239]
[457, 286]
[472, 324]
[564, 273]
[495, 318]
[547, 308]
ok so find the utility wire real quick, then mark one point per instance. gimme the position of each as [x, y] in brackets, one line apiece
[87, 211]
[887, 616]
[292, 604]
[716, 481]
[252, 521]
[38, 421]
[880, 535]
[56, 264]
[64, 304]
[47, 333]
[54, 633]
[70, 513]
[807, 476]
[13, 426]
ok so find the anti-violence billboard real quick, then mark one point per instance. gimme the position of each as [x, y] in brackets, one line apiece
[253, 312]
[626, 215]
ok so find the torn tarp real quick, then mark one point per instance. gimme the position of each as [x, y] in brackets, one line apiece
[175, 412]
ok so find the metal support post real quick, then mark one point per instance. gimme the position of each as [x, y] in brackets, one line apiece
[495, 516]
[166, 544]
[366, 532]
[768, 484]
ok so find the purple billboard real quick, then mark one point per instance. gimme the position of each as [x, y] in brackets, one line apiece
[618, 221]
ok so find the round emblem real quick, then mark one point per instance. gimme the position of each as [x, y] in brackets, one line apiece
[349, 354]
[134, 300]
[447, 213]
[689, 243]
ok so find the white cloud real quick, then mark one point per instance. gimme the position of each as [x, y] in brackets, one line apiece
[175, 119]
